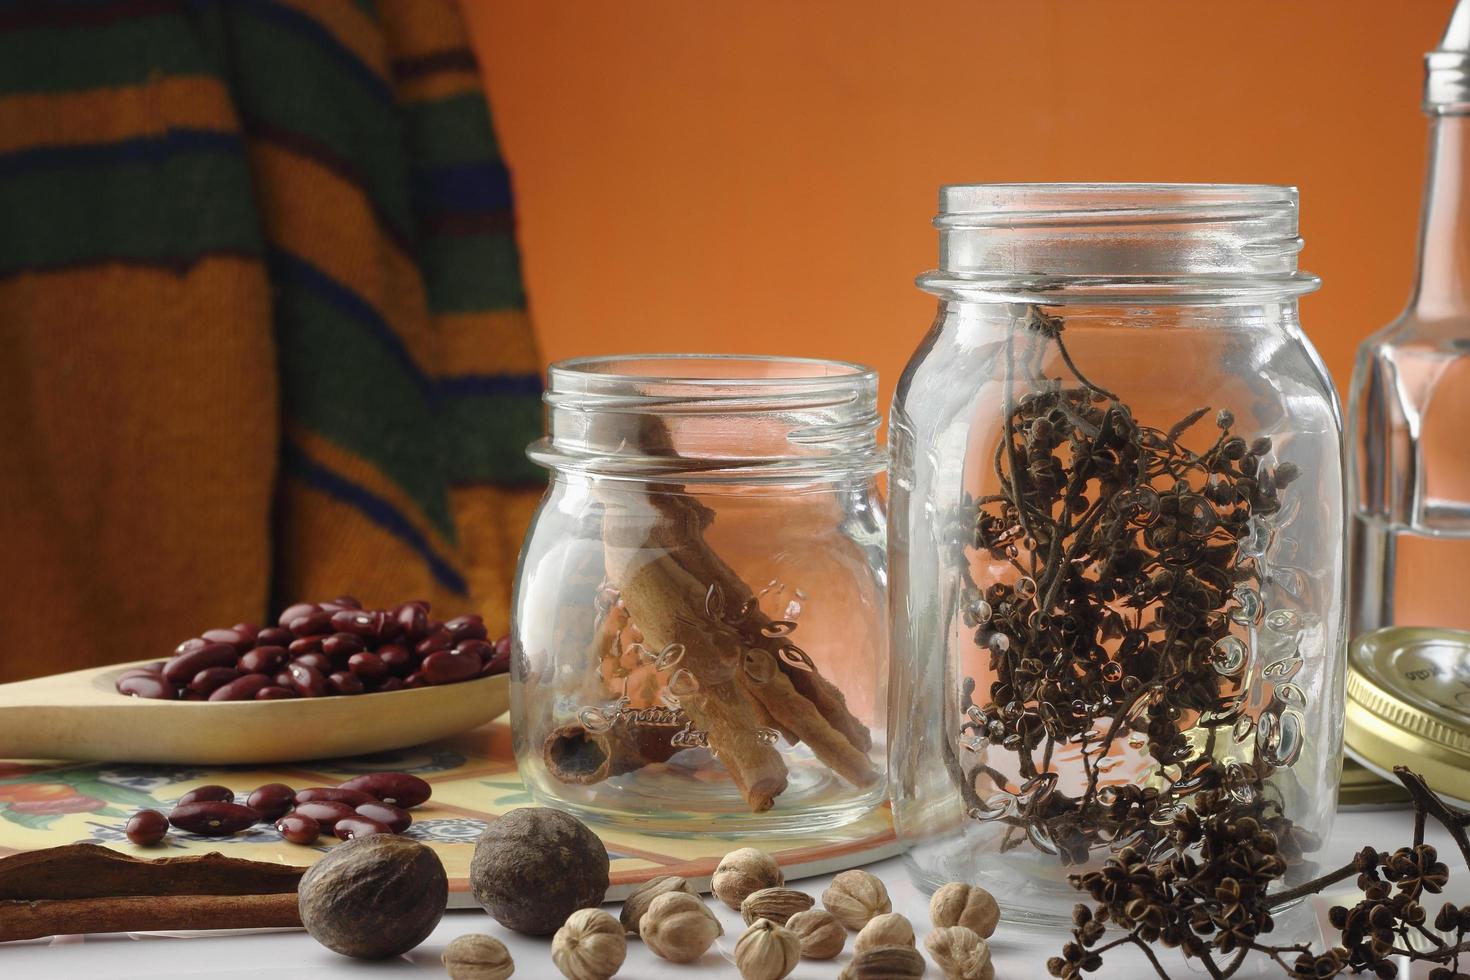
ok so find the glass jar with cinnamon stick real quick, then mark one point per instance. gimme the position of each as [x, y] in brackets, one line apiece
[700, 616]
[1117, 538]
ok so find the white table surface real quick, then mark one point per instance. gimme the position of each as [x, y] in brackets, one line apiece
[284, 954]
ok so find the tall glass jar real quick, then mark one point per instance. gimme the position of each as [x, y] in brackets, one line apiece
[1117, 536]
[700, 614]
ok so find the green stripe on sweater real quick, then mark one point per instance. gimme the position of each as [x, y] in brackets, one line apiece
[470, 273]
[190, 204]
[488, 436]
[345, 386]
[450, 131]
[125, 52]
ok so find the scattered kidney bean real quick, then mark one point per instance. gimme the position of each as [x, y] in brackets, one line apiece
[345, 682]
[184, 666]
[211, 679]
[276, 692]
[241, 689]
[394, 818]
[263, 660]
[450, 667]
[307, 680]
[145, 686]
[298, 828]
[334, 794]
[271, 800]
[212, 793]
[324, 812]
[213, 818]
[349, 828]
[398, 788]
[146, 827]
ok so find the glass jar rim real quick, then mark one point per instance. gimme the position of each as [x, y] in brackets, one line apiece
[606, 371]
[1116, 243]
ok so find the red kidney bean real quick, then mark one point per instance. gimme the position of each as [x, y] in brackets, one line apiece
[154, 688]
[213, 819]
[466, 628]
[356, 622]
[368, 666]
[450, 667]
[481, 650]
[276, 692]
[273, 636]
[181, 668]
[350, 828]
[282, 679]
[415, 680]
[389, 684]
[295, 612]
[394, 818]
[438, 639]
[146, 827]
[345, 682]
[243, 689]
[341, 645]
[304, 645]
[324, 812]
[248, 630]
[298, 828]
[234, 638]
[413, 618]
[271, 800]
[212, 793]
[398, 788]
[140, 672]
[397, 659]
[311, 624]
[189, 646]
[335, 794]
[211, 679]
[307, 680]
[316, 661]
[263, 660]
[346, 602]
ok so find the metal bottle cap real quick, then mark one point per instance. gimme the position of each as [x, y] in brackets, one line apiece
[1447, 68]
[1408, 703]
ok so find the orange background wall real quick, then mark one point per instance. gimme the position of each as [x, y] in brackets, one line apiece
[758, 176]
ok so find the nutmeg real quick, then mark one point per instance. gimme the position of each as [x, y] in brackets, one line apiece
[589, 946]
[476, 957]
[744, 871]
[678, 927]
[533, 867]
[776, 904]
[959, 904]
[822, 936]
[855, 897]
[767, 951]
[636, 904]
[373, 897]
[888, 929]
[885, 963]
[960, 953]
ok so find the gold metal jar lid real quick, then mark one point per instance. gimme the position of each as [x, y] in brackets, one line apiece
[1408, 703]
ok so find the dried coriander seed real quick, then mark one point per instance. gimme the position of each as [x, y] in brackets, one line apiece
[960, 954]
[476, 957]
[776, 904]
[767, 951]
[636, 904]
[744, 871]
[822, 936]
[679, 927]
[589, 946]
[959, 904]
[856, 896]
[888, 929]
[885, 963]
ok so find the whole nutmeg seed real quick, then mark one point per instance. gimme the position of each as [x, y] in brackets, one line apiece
[475, 957]
[535, 866]
[959, 904]
[855, 897]
[767, 951]
[960, 953]
[822, 936]
[636, 904]
[590, 946]
[885, 963]
[888, 929]
[678, 927]
[776, 904]
[373, 897]
[744, 871]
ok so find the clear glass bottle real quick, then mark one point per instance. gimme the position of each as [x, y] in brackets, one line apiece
[700, 615]
[1116, 511]
[1409, 410]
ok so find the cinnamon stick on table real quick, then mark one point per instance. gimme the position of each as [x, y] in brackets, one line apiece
[88, 888]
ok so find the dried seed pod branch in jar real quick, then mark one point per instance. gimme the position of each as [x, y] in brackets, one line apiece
[1104, 583]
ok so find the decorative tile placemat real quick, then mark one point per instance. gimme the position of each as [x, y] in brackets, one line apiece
[474, 779]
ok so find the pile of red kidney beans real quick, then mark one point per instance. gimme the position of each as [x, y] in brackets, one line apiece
[319, 649]
[377, 803]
